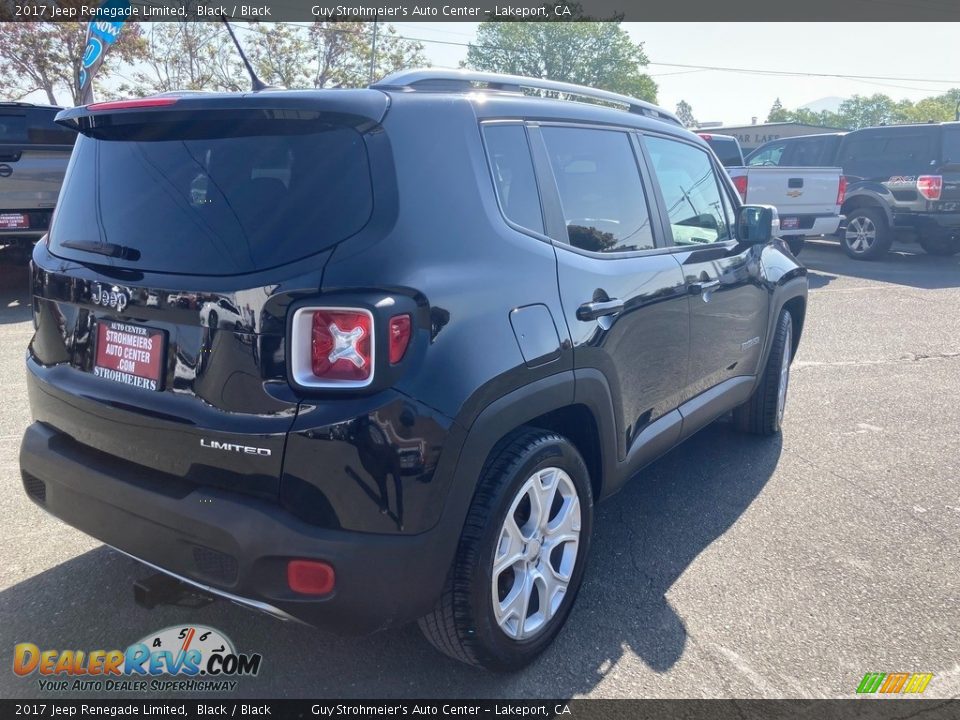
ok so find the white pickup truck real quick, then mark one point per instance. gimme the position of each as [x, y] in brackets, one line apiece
[807, 199]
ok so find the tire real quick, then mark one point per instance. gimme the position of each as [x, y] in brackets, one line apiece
[762, 414]
[940, 246]
[796, 244]
[465, 624]
[867, 236]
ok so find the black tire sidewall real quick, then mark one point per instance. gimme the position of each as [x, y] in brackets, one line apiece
[498, 651]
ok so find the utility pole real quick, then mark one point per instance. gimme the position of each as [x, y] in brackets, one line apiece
[373, 52]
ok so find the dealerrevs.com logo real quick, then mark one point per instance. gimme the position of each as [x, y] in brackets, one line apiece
[175, 659]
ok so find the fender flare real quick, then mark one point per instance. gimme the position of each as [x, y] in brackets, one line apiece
[874, 194]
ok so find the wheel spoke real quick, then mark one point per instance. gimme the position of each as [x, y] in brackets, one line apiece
[510, 549]
[512, 612]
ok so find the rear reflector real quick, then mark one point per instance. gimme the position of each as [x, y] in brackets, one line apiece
[310, 577]
[399, 337]
[740, 183]
[132, 104]
[930, 186]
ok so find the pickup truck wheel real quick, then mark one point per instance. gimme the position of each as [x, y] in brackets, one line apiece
[941, 246]
[867, 236]
[762, 414]
[521, 556]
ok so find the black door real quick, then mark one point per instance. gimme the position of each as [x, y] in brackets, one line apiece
[622, 294]
[728, 302]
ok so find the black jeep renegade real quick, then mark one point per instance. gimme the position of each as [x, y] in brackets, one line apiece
[364, 357]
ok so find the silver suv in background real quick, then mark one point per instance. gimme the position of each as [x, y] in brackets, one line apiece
[34, 152]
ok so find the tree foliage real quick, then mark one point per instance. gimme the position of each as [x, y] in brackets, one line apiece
[597, 54]
[867, 111]
[46, 56]
[685, 114]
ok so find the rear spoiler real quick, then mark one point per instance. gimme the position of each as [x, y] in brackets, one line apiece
[359, 107]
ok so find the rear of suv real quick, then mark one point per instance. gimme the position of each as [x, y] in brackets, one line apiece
[34, 152]
[903, 182]
[363, 357]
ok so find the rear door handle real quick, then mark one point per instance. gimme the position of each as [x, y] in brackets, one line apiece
[704, 287]
[599, 309]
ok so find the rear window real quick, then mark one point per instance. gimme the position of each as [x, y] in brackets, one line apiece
[727, 151]
[214, 197]
[951, 146]
[42, 130]
[13, 128]
[881, 155]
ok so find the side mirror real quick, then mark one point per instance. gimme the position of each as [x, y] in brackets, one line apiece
[757, 224]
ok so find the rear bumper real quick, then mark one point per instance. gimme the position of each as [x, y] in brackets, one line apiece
[815, 225]
[234, 545]
[936, 223]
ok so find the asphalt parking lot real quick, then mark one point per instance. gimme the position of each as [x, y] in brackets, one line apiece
[734, 567]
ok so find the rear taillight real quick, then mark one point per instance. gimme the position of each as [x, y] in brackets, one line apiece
[842, 190]
[930, 186]
[740, 183]
[132, 104]
[705, 136]
[332, 347]
[399, 337]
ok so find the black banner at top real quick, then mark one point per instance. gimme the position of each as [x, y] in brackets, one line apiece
[482, 10]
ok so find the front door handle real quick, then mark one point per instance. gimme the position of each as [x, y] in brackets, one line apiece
[599, 309]
[704, 287]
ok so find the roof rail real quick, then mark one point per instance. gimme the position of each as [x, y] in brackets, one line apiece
[441, 80]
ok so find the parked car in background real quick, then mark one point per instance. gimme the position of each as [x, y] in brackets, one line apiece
[808, 199]
[443, 359]
[34, 152]
[726, 148]
[903, 182]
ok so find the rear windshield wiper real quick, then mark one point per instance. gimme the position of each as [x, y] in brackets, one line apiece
[109, 249]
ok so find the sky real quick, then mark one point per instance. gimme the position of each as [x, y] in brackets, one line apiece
[927, 53]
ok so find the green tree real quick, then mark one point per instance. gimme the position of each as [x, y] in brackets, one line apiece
[685, 114]
[597, 54]
[46, 56]
[777, 113]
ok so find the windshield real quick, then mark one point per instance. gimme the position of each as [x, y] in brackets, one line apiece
[214, 198]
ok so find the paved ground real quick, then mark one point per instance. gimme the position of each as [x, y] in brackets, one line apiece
[736, 567]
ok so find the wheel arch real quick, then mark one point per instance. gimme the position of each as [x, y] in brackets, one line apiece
[867, 199]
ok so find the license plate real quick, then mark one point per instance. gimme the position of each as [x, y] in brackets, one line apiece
[130, 354]
[14, 221]
[789, 223]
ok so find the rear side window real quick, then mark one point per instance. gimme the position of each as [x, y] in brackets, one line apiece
[513, 177]
[881, 155]
[215, 197]
[691, 192]
[604, 203]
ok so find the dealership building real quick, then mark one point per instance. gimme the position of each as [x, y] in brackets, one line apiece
[753, 136]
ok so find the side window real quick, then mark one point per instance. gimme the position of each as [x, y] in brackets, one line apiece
[604, 203]
[513, 175]
[691, 192]
[769, 155]
[951, 147]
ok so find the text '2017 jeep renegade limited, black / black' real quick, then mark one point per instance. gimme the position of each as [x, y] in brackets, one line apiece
[364, 357]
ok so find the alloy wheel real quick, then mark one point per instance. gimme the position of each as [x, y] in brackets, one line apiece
[861, 234]
[536, 553]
